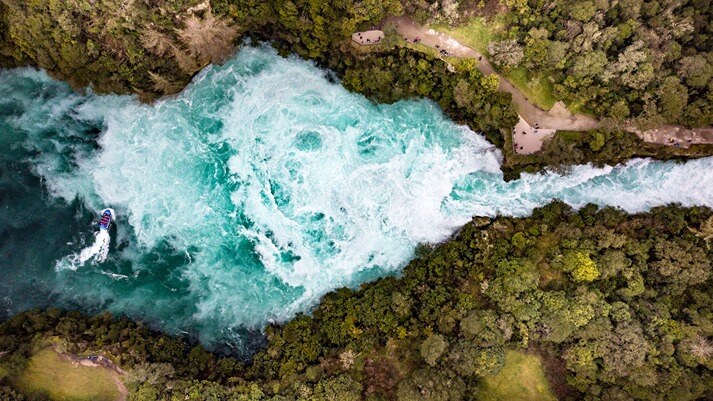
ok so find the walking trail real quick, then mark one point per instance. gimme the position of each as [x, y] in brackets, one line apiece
[535, 123]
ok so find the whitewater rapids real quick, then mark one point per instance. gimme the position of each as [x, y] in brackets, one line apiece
[262, 186]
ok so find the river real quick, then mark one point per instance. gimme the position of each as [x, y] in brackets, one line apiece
[256, 190]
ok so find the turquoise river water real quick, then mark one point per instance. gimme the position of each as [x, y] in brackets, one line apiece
[258, 189]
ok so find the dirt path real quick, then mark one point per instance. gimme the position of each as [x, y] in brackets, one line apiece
[558, 118]
[676, 135]
[529, 112]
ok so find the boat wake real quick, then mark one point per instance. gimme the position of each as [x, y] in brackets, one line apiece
[97, 252]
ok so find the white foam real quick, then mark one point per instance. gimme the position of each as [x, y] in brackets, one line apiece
[97, 252]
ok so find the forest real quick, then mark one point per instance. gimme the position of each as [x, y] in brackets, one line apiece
[648, 61]
[622, 301]
[634, 61]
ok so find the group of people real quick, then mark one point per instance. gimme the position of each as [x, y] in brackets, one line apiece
[677, 143]
[368, 40]
[520, 147]
[105, 220]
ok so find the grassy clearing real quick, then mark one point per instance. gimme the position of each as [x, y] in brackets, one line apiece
[537, 90]
[50, 373]
[522, 379]
[476, 34]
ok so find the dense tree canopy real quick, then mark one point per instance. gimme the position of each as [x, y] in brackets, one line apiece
[155, 46]
[647, 60]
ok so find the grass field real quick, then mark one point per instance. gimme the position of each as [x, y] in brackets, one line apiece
[50, 373]
[521, 379]
[537, 90]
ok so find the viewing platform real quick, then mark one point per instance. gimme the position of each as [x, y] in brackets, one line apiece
[528, 139]
[368, 37]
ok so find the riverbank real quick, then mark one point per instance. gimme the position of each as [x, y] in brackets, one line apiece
[567, 285]
[533, 147]
[565, 149]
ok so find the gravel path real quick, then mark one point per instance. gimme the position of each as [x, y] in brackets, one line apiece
[531, 113]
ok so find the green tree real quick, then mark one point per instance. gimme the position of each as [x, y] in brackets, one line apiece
[482, 327]
[582, 10]
[696, 70]
[506, 53]
[680, 263]
[557, 54]
[590, 64]
[467, 359]
[432, 348]
[597, 140]
[339, 388]
[624, 349]
[581, 266]
[431, 385]
[672, 98]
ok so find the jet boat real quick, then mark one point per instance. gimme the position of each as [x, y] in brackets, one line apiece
[107, 217]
